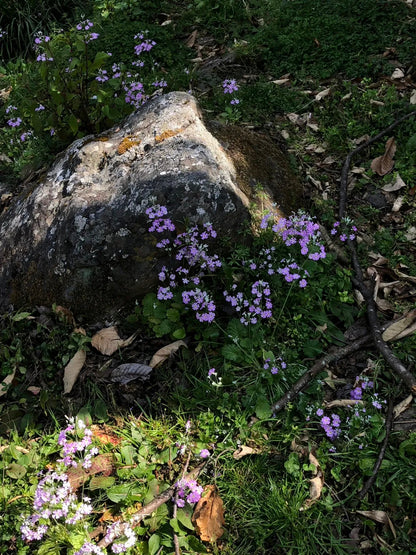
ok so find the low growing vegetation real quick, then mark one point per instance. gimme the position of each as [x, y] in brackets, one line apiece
[191, 436]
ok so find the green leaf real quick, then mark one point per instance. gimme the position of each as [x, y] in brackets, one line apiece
[185, 519]
[119, 493]
[179, 333]
[21, 316]
[292, 465]
[15, 471]
[101, 482]
[154, 544]
[231, 352]
[99, 60]
[196, 545]
[85, 415]
[73, 124]
[263, 409]
[175, 525]
[128, 452]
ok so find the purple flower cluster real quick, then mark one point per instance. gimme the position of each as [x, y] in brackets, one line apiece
[189, 491]
[86, 26]
[120, 530]
[201, 303]
[102, 76]
[54, 499]
[230, 87]
[291, 271]
[275, 366]
[299, 229]
[260, 305]
[145, 46]
[191, 253]
[134, 93]
[14, 122]
[361, 384]
[160, 84]
[345, 229]
[331, 425]
[89, 547]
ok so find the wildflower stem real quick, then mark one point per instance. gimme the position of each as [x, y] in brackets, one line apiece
[372, 479]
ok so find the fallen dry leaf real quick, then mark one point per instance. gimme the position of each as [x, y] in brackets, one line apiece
[72, 370]
[281, 81]
[208, 517]
[104, 436]
[384, 164]
[397, 74]
[34, 389]
[191, 39]
[100, 464]
[322, 94]
[316, 483]
[165, 352]
[6, 382]
[379, 516]
[395, 185]
[65, 315]
[107, 341]
[402, 406]
[130, 371]
[413, 97]
[243, 451]
[343, 403]
[399, 326]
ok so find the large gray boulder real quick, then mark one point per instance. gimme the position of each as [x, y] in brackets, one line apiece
[79, 238]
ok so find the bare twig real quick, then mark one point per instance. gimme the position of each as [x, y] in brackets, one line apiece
[347, 163]
[372, 479]
[304, 380]
[395, 364]
[150, 507]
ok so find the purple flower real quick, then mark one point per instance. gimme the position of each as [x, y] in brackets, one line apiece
[230, 86]
[356, 393]
[204, 454]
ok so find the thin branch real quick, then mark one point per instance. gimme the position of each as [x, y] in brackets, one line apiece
[347, 163]
[150, 507]
[304, 380]
[375, 329]
[372, 479]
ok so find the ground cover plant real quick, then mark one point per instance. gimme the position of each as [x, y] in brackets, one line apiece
[248, 381]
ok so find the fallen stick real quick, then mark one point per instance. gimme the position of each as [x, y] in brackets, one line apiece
[148, 509]
[374, 324]
[304, 380]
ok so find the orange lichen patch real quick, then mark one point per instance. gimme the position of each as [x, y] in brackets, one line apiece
[126, 144]
[167, 135]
